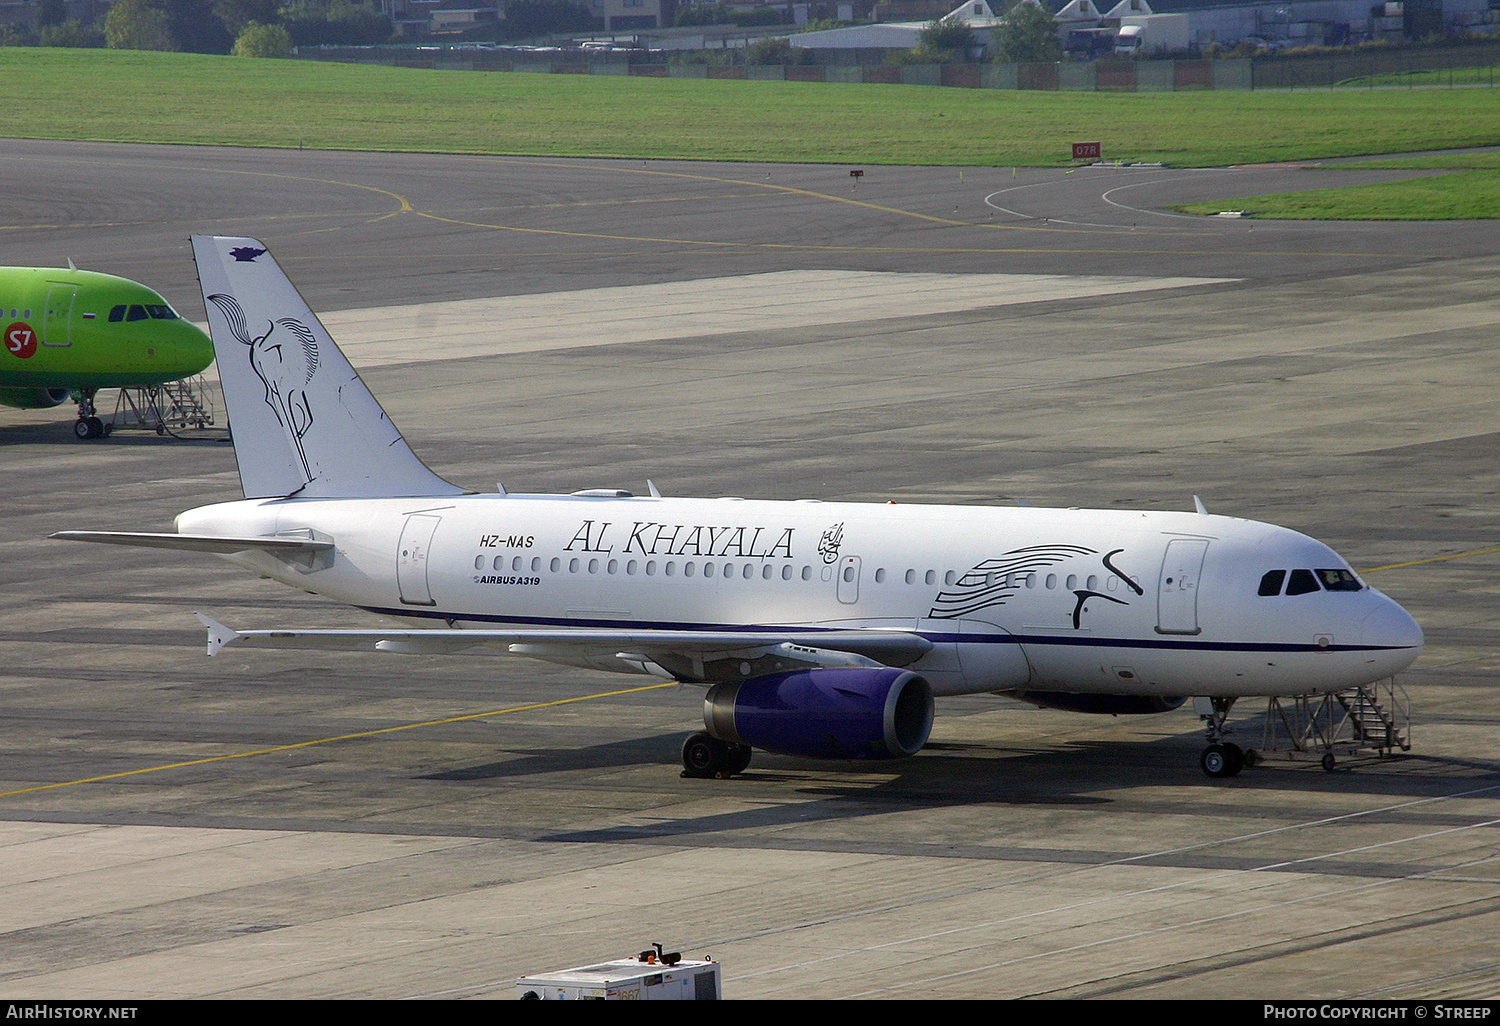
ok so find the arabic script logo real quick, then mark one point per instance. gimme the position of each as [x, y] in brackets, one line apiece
[829, 544]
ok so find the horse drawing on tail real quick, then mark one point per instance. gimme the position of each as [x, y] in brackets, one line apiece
[285, 362]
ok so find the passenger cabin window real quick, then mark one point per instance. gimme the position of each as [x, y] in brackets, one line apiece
[1270, 584]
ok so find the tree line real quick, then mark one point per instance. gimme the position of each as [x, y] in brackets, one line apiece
[261, 27]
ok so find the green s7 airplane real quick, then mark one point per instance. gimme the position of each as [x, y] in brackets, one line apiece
[66, 333]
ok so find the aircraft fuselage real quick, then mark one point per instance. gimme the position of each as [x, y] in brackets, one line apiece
[1089, 601]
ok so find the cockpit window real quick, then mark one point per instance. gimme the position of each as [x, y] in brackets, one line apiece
[1301, 583]
[1339, 580]
[117, 314]
[161, 313]
[1271, 583]
[1304, 582]
[137, 313]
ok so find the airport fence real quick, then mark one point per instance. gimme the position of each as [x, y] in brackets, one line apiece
[1453, 66]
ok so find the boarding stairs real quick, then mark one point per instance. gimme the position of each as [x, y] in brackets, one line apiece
[1371, 721]
[165, 408]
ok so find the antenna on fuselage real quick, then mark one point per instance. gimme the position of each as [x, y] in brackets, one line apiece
[1198, 505]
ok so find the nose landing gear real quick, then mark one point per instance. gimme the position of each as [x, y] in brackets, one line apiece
[88, 424]
[1221, 758]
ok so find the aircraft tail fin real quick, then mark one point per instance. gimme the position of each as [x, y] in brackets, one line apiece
[304, 424]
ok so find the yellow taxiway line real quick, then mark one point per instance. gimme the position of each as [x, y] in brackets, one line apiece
[340, 737]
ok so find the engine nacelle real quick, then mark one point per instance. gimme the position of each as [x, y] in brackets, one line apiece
[864, 713]
[34, 398]
[1112, 705]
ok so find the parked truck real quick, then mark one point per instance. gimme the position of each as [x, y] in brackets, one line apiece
[1143, 34]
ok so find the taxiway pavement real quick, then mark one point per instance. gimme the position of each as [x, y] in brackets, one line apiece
[294, 825]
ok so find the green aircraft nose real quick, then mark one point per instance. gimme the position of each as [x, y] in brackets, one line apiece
[194, 349]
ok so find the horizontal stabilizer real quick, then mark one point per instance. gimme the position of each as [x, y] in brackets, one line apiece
[218, 634]
[195, 542]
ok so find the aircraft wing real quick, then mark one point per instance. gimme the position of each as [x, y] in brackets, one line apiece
[585, 646]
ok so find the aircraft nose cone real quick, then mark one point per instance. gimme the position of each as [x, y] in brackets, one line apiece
[194, 350]
[1390, 626]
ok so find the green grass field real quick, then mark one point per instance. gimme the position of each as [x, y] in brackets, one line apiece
[187, 98]
[1472, 192]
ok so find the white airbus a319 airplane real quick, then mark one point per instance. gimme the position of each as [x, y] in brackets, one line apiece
[818, 629]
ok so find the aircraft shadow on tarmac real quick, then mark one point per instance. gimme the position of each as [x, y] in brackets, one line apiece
[1077, 774]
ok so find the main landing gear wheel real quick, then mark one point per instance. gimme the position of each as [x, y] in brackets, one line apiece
[705, 756]
[739, 758]
[1222, 760]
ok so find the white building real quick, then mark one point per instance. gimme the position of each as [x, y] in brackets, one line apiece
[976, 14]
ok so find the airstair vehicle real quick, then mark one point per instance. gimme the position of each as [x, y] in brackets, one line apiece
[166, 408]
[1371, 721]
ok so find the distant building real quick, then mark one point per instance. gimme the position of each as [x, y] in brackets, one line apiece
[976, 14]
[1290, 23]
[1087, 30]
[461, 19]
[440, 17]
[625, 15]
